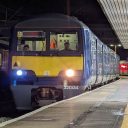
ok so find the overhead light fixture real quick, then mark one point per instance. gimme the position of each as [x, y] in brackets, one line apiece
[119, 45]
[112, 45]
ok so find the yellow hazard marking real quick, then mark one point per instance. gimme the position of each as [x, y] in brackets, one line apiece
[125, 119]
[48, 65]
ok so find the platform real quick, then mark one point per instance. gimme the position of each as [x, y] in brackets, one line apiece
[105, 107]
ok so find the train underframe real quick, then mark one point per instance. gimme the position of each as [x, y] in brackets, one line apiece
[46, 90]
[29, 97]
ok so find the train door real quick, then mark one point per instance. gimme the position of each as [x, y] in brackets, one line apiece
[117, 64]
[105, 63]
[110, 65]
[99, 62]
[114, 66]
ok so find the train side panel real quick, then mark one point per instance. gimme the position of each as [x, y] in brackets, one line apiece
[87, 59]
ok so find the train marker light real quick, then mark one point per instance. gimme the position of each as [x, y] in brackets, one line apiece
[70, 73]
[19, 72]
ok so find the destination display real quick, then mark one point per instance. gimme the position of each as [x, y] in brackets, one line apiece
[29, 34]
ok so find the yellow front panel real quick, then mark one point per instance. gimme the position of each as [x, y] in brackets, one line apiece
[47, 65]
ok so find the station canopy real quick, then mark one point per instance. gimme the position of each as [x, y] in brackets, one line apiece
[117, 13]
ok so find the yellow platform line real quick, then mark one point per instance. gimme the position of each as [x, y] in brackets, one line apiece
[125, 119]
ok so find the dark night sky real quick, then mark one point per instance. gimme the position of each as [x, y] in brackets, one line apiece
[88, 11]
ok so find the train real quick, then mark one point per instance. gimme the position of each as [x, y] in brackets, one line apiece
[123, 68]
[49, 70]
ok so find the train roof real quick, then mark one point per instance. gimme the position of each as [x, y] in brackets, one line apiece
[52, 21]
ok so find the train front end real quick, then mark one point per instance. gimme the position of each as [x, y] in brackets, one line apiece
[46, 61]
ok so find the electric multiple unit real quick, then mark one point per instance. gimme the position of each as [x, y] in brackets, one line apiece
[62, 59]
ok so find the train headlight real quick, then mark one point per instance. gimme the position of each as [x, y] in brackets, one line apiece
[19, 72]
[70, 73]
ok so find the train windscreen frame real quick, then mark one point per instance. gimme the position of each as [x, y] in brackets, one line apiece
[47, 41]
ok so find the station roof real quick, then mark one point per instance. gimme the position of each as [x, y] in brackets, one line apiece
[117, 13]
[91, 12]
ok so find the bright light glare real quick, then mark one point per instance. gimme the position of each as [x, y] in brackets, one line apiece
[119, 45]
[70, 73]
[19, 73]
[123, 66]
[111, 45]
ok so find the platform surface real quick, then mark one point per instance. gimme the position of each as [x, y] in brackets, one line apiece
[105, 107]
